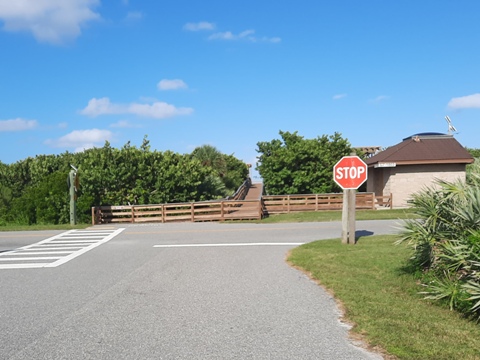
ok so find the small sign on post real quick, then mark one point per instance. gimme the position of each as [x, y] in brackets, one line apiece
[349, 173]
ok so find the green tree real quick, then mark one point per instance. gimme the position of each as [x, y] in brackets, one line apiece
[44, 203]
[294, 165]
[5, 192]
[210, 156]
[237, 172]
[474, 152]
[228, 171]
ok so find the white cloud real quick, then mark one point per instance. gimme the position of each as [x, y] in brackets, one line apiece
[465, 102]
[156, 110]
[203, 25]
[227, 35]
[52, 21]
[17, 125]
[339, 96]
[81, 139]
[123, 124]
[134, 16]
[380, 98]
[102, 106]
[174, 84]
[248, 35]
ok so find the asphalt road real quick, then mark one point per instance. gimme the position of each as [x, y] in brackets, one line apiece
[145, 294]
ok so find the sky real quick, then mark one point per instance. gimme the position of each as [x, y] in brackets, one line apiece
[229, 73]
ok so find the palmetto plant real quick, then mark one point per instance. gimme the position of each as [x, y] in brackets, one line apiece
[446, 242]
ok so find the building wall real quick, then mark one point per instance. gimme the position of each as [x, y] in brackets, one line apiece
[403, 181]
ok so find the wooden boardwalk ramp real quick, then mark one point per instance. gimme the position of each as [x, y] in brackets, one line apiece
[254, 192]
[251, 207]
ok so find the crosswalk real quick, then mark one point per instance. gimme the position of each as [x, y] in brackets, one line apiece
[56, 250]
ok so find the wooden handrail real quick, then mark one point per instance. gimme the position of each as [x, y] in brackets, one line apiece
[241, 191]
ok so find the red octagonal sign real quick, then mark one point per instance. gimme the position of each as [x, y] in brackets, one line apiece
[350, 172]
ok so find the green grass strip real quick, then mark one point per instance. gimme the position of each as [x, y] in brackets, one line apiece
[314, 216]
[382, 301]
[13, 227]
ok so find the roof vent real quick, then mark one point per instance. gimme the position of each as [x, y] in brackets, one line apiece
[428, 135]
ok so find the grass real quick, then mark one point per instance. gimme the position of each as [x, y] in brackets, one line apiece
[382, 300]
[314, 216]
[13, 227]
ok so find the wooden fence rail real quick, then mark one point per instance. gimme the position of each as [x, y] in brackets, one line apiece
[200, 211]
[278, 204]
[232, 209]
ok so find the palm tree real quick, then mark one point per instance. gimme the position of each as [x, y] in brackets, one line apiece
[208, 155]
[445, 240]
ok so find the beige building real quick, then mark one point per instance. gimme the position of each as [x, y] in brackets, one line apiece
[415, 163]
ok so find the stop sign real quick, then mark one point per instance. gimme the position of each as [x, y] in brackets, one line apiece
[350, 172]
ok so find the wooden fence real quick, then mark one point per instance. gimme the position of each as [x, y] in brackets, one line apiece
[279, 204]
[232, 209]
[198, 211]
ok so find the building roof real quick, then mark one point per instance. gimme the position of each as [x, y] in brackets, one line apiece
[425, 148]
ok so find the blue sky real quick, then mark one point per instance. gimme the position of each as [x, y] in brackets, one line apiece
[232, 73]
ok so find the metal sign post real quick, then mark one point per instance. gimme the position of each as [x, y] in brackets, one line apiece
[72, 188]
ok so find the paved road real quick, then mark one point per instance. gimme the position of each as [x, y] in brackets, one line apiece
[141, 296]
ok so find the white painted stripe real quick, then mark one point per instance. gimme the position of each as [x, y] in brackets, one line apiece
[46, 241]
[66, 248]
[50, 246]
[60, 241]
[84, 250]
[76, 236]
[40, 253]
[231, 244]
[23, 266]
[32, 258]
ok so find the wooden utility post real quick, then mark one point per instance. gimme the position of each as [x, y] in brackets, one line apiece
[349, 173]
[348, 216]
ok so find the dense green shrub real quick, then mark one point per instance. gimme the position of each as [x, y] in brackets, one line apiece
[446, 243]
[44, 203]
[34, 190]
